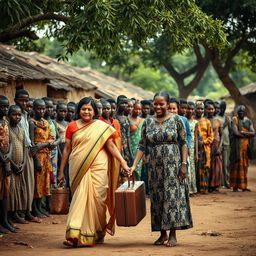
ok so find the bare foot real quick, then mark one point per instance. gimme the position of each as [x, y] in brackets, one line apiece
[172, 239]
[161, 240]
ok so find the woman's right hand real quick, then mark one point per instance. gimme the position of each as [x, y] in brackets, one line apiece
[132, 169]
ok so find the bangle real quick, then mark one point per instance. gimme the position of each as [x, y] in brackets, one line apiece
[123, 162]
[184, 163]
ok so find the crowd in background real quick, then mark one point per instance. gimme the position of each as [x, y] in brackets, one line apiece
[32, 140]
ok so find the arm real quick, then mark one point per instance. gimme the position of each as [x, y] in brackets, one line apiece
[110, 145]
[221, 140]
[196, 143]
[66, 152]
[139, 155]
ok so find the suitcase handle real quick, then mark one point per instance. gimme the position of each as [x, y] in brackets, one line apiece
[129, 179]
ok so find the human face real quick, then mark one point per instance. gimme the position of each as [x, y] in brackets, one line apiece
[4, 105]
[145, 110]
[160, 106]
[222, 108]
[113, 108]
[87, 113]
[217, 108]
[62, 112]
[129, 108]
[199, 110]
[173, 108]
[99, 107]
[15, 116]
[190, 111]
[48, 108]
[123, 104]
[106, 110]
[137, 110]
[71, 113]
[210, 110]
[39, 110]
[241, 112]
[30, 108]
[22, 101]
[183, 109]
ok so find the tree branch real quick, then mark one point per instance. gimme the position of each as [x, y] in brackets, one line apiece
[16, 30]
[233, 52]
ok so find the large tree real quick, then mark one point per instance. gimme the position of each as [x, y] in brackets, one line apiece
[239, 20]
[105, 26]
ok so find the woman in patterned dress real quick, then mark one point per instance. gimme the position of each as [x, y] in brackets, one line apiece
[163, 138]
[191, 168]
[136, 125]
[216, 146]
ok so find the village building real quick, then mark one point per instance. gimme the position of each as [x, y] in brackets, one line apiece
[44, 76]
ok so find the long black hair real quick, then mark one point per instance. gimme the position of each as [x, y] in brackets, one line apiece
[86, 100]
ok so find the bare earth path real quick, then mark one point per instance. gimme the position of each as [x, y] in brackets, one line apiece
[231, 214]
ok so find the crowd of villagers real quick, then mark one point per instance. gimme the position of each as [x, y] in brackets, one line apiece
[34, 133]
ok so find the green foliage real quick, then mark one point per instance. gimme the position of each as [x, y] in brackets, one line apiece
[107, 26]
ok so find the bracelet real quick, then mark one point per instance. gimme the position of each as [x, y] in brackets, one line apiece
[184, 163]
[123, 162]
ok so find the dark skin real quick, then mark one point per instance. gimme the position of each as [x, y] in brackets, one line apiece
[183, 109]
[48, 113]
[199, 110]
[39, 110]
[5, 226]
[5, 157]
[14, 119]
[71, 113]
[210, 110]
[61, 115]
[106, 111]
[22, 102]
[161, 106]
[113, 109]
[122, 106]
[145, 111]
[30, 108]
[241, 113]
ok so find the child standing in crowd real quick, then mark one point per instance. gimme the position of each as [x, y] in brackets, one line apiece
[54, 152]
[99, 107]
[122, 103]
[18, 199]
[5, 167]
[191, 168]
[113, 107]
[225, 145]
[61, 125]
[204, 138]
[71, 111]
[216, 146]
[107, 118]
[136, 124]
[42, 139]
[21, 99]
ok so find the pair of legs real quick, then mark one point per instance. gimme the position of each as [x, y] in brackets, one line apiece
[37, 208]
[172, 240]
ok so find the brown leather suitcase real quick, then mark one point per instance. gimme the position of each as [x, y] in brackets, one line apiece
[60, 201]
[130, 203]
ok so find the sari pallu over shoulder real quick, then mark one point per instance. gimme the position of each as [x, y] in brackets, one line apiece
[86, 144]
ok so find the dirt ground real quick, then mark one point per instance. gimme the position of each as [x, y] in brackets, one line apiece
[233, 215]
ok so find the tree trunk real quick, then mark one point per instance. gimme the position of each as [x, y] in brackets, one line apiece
[234, 91]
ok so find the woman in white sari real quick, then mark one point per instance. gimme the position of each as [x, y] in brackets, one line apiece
[94, 162]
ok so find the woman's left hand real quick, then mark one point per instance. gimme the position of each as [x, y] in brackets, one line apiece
[183, 172]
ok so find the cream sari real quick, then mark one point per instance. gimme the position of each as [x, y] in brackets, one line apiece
[94, 179]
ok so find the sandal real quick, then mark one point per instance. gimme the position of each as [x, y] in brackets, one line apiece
[71, 243]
